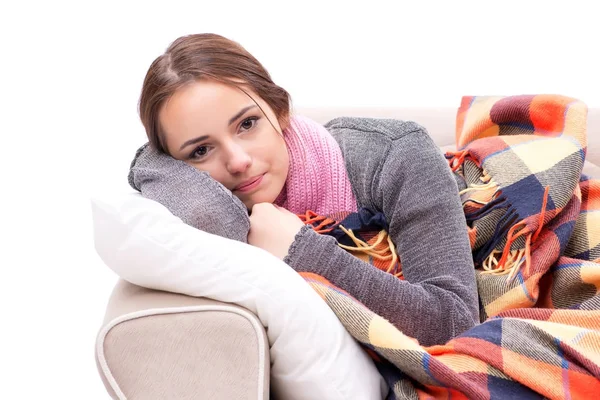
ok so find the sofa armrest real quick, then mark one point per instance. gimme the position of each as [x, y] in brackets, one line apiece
[156, 345]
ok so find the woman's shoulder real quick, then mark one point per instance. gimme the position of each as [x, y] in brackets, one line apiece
[372, 132]
[361, 138]
[371, 146]
[390, 129]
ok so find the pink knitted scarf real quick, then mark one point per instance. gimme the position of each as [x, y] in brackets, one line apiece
[317, 178]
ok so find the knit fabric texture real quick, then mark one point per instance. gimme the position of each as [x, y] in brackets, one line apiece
[317, 178]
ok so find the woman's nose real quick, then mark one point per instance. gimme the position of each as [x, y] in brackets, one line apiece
[238, 160]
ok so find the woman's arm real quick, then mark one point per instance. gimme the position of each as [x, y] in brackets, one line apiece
[192, 195]
[418, 195]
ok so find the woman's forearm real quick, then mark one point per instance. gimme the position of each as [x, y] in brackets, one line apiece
[432, 311]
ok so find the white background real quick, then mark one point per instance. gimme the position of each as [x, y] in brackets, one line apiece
[70, 79]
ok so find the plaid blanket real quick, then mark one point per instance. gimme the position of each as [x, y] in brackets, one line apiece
[534, 227]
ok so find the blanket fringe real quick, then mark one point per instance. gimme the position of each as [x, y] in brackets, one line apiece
[510, 261]
[456, 158]
[494, 261]
[362, 246]
[477, 188]
[325, 225]
[322, 224]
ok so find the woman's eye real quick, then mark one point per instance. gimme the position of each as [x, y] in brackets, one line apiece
[199, 152]
[248, 123]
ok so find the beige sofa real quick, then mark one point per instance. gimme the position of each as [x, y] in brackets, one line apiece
[159, 345]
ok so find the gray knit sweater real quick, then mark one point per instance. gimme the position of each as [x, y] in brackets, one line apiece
[394, 167]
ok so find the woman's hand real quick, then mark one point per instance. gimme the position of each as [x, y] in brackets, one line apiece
[273, 228]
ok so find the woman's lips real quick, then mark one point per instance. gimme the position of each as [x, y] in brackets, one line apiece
[250, 184]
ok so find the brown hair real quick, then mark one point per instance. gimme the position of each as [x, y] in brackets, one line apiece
[201, 56]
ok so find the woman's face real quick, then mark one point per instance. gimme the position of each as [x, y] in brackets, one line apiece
[217, 128]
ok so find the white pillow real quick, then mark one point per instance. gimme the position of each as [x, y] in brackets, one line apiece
[312, 355]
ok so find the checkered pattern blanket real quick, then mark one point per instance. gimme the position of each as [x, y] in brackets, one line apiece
[534, 226]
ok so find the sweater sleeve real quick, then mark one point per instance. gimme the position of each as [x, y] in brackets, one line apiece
[192, 195]
[418, 195]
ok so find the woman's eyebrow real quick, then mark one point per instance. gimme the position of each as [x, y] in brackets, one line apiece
[240, 113]
[193, 141]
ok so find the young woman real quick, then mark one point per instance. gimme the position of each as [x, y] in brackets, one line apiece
[211, 104]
